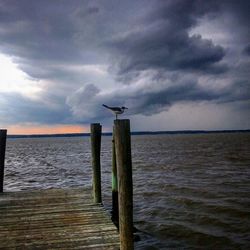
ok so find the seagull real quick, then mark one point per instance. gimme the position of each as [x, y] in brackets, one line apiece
[116, 110]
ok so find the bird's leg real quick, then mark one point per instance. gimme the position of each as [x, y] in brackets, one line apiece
[116, 116]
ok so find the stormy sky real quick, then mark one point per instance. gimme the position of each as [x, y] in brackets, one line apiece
[176, 64]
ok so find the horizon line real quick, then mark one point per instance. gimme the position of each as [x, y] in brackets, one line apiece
[188, 131]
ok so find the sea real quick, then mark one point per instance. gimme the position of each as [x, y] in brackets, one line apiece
[191, 191]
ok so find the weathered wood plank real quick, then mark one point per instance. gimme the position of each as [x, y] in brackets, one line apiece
[125, 183]
[95, 136]
[55, 219]
[3, 135]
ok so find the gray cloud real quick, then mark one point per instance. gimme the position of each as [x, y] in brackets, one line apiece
[162, 41]
[141, 51]
[19, 109]
[151, 96]
[246, 50]
[154, 61]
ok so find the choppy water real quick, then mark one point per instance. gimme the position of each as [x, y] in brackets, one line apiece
[190, 191]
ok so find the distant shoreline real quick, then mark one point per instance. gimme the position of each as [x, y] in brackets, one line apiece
[135, 133]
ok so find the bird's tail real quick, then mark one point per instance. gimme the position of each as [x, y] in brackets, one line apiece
[105, 106]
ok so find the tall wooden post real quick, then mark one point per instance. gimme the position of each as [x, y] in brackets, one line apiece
[125, 183]
[115, 217]
[96, 132]
[3, 134]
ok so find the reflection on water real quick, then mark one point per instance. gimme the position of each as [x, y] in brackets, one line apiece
[190, 191]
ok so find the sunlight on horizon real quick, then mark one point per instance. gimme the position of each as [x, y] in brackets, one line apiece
[28, 129]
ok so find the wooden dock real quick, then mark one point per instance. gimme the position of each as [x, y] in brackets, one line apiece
[73, 219]
[55, 219]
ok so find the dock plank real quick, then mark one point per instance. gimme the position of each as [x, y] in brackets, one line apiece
[55, 219]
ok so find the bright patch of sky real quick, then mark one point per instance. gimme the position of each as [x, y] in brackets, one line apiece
[175, 64]
[12, 79]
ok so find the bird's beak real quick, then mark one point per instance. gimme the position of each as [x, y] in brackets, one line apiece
[125, 108]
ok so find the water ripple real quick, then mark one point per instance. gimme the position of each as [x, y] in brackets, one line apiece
[190, 191]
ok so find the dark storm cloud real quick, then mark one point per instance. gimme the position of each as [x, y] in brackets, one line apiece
[158, 50]
[162, 41]
[246, 50]
[239, 11]
[22, 109]
[146, 44]
[152, 96]
[42, 30]
[42, 35]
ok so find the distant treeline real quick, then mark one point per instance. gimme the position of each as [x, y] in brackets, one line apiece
[136, 133]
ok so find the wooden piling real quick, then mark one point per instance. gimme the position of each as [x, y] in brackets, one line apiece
[125, 183]
[3, 134]
[96, 131]
[115, 217]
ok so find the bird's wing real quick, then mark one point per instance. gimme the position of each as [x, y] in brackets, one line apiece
[105, 106]
[115, 108]
[112, 108]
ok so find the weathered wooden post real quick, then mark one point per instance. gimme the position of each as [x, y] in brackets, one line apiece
[125, 183]
[115, 217]
[96, 132]
[3, 134]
